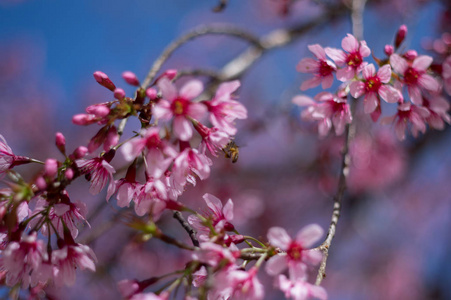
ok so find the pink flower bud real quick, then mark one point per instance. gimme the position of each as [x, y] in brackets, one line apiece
[80, 152]
[389, 50]
[103, 80]
[69, 174]
[410, 55]
[99, 110]
[400, 35]
[51, 167]
[170, 74]
[128, 288]
[40, 183]
[130, 78]
[112, 138]
[60, 142]
[83, 119]
[119, 94]
[151, 93]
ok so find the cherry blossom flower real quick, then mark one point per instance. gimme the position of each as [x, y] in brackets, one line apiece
[100, 172]
[220, 217]
[295, 255]
[438, 108]
[415, 76]
[70, 257]
[446, 74]
[298, 288]
[224, 110]
[353, 60]
[330, 109]
[178, 105]
[150, 197]
[7, 156]
[321, 68]
[238, 284]
[374, 85]
[213, 139]
[214, 254]
[188, 162]
[22, 260]
[408, 113]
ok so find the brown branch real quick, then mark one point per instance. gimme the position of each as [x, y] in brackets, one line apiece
[221, 6]
[190, 230]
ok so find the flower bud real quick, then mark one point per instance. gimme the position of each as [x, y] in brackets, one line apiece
[130, 78]
[40, 183]
[389, 50]
[103, 80]
[69, 174]
[80, 152]
[51, 167]
[99, 110]
[170, 74]
[112, 138]
[410, 55]
[119, 94]
[60, 142]
[151, 93]
[400, 35]
[83, 119]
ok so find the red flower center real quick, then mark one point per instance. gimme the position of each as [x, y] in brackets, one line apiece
[294, 252]
[373, 84]
[354, 59]
[411, 76]
[180, 106]
[325, 69]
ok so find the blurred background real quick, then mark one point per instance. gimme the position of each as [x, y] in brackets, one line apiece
[393, 238]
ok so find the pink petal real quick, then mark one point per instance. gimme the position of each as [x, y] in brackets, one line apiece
[313, 257]
[318, 51]
[415, 95]
[307, 65]
[278, 237]
[350, 43]
[228, 210]
[384, 73]
[400, 129]
[327, 82]
[318, 292]
[364, 49]
[191, 89]
[309, 235]
[370, 103]
[398, 63]
[389, 94]
[167, 89]
[337, 55]
[428, 82]
[226, 88]
[369, 71]
[345, 74]
[197, 110]
[276, 264]
[182, 128]
[213, 203]
[311, 83]
[324, 127]
[422, 62]
[357, 89]
[302, 100]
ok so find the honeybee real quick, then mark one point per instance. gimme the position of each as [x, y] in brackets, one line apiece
[231, 150]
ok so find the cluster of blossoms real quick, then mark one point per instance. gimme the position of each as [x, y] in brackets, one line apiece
[220, 269]
[405, 78]
[31, 210]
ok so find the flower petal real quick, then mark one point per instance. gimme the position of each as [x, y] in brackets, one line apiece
[278, 237]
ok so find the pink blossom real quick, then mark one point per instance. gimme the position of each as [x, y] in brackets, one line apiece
[353, 60]
[68, 259]
[213, 139]
[321, 68]
[190, 162]
[408, 114]
[330, 109]
[299, 288]
[150, 198]
[103, 80]
[22, 260]
[238, 284]
[438, 108]
[375, 85]
[178, 105]
[400, 35]
[100, 173]
[7, 156]
[68, 215]
[414, 76]
[224, 110]
[60, 142]
[130, 78]
[119, 94]
[220, 217]
[151, 296]
[214, 255]
[128, 288]
[446, 74]
[296, 253]
[126, 191]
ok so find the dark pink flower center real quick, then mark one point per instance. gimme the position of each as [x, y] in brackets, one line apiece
[354, 59]
[339, 106]
[373, 84]
[180, 106]
[324, 68]
[411, 76]
[294, 252]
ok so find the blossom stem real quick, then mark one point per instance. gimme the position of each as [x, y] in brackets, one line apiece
[253, 239]
[190, 230]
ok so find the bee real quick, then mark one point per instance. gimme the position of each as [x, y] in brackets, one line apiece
[231, 150]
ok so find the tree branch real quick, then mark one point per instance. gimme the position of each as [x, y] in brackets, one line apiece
[190, 230]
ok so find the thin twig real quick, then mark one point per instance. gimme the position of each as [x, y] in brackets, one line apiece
[190, 230]
[200, 31]
[357, 27]
[221, 6]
